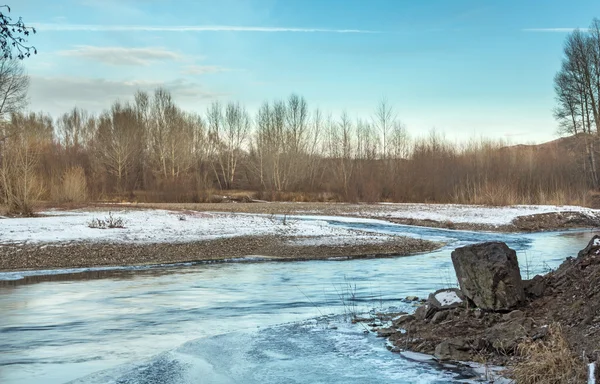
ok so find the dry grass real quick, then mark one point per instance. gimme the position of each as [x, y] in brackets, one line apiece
[74, 185]
[549, 361]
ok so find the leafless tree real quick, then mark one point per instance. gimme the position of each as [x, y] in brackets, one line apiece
[26, 137]
[384, 120]
[76, 128]
[577, 87]
[14, 84]
[117, 142]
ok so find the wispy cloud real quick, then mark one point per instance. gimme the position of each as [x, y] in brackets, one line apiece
[203, 69]
[122, 55]
[96, 94]
[560, 30]
[185, 28]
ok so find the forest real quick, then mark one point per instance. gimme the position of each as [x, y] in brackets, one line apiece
[147, 149]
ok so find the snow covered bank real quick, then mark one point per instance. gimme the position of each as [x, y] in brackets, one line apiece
[474, 214]
[162, 226]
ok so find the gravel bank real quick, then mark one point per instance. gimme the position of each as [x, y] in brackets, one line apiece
[90, 254]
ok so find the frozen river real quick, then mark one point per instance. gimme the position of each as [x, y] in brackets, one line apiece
[246, 322]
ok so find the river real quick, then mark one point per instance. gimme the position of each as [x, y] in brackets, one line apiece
[244, 322]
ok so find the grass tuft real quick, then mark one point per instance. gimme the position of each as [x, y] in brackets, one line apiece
[549, 361]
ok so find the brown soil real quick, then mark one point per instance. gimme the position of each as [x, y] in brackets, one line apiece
[73, 255]
[568, 296]
[530, 223]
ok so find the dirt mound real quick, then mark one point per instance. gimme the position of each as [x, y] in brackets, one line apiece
[567, 299]
[555, 220]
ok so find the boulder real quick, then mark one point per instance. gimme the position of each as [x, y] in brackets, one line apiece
[489, 276]
[446, 299]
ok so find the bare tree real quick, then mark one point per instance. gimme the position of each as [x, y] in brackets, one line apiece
[14, 84]
[228, 133]
[117, 142]
[26, 137]
[577, 87]
[76, 128]
[384, 120]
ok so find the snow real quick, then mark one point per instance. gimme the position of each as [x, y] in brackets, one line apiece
[162, 226]
[448, 298]
[475, 214]
[596, 242]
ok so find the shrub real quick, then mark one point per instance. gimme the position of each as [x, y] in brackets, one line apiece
[74, 185]
[108, 222]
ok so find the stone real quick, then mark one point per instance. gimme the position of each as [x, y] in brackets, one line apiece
[593, 248]
[403, 320]
[478, 314]
[439, 317]
[504, 337]
[516, 314]
[535, 287]
[411, 298]
[425, 312]
[385, 332]
[489, 276]
[453, 349]
[446, 299]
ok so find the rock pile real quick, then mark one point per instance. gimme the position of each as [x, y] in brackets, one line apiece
[495, 313]
[492, 312]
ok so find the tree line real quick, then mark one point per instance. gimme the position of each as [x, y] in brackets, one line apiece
[149, 149]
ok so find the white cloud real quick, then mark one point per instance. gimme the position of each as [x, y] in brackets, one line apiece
[122, 55]
[57, 95]
[203, 69]
[184, 28]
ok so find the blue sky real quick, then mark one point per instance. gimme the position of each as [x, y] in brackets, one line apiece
[465, 68]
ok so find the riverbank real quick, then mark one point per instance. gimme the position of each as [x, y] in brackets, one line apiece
[506, 219]
[174, 233]
[551, 335]
[84, 238]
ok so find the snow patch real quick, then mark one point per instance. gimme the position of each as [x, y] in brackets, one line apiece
[448, 298]
[162, 226]
[475, 214]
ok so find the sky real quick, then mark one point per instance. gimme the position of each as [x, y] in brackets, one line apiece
[468, 69]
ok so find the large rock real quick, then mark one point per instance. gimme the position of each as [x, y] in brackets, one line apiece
[488, 274]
